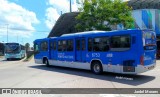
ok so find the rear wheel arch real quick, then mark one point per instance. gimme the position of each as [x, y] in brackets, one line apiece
[98, 64]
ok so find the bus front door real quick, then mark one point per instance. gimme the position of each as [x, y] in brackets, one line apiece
[80, 50]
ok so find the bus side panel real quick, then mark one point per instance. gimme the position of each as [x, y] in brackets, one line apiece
[114, 62]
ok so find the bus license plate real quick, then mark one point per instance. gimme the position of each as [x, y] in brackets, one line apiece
[151, 67]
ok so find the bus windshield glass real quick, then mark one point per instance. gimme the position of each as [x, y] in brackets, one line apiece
[12, 48]
[149, 40]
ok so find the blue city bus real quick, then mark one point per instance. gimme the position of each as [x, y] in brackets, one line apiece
[14, 51]
[125, 51]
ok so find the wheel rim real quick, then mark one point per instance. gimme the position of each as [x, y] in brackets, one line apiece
[96, 68]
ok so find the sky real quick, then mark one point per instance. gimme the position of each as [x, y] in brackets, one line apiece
[27, 20]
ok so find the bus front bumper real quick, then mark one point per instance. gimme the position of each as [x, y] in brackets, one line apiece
[16, 56]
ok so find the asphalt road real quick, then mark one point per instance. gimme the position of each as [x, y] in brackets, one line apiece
[19, 74]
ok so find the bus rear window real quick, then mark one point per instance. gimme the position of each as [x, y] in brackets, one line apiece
[147, 35]
[149, 40]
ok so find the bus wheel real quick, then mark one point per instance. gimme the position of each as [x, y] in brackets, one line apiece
[46, 62]
[97, 67]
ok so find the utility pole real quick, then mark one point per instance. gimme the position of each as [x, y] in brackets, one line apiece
[61, 12]
[7, 32]
[70, 6]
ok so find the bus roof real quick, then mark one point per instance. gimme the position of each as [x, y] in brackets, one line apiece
[97, 32]
[87, 33]
[83, 33]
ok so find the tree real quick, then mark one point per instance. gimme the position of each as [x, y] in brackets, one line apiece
[27, 46]
[103, 14]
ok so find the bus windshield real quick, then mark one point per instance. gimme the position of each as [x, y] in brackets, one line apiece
[149, 40]
[12, 48]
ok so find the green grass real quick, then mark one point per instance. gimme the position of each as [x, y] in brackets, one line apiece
[28, 58]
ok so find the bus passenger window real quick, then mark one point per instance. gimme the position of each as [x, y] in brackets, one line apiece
[78, 45]
[125, 41]
[83, 44]
[51, 45]
[64, 45]
[69, 45]
[101, 44]
[90, 44]
[36, 47]
[60, 46]
[44, 46]
[54, 45]
[120, 43]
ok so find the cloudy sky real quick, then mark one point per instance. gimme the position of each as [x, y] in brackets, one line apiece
[28, 20]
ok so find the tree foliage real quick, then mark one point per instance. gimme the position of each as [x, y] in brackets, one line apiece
[103, 14]
[27, 46]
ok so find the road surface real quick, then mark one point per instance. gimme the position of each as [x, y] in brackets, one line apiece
[19, 74]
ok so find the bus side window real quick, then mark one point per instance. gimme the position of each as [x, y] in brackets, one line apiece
[54, 45]
[36, 47]
[78, 45]
[101, 44]
[69, 45]
[51, 45]
[59, 45]
[83, 44]
[90, 44]
[120, 43]
[64, 45]
[44, 46]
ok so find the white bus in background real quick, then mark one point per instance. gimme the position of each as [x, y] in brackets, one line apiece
[14, 51]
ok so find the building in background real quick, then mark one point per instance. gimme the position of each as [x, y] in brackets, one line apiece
[146, 14]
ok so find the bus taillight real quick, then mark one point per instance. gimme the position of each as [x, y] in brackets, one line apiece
[142, 60]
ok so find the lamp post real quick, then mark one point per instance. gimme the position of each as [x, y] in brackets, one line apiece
[61, 12]
[7, 32]
[70, 6]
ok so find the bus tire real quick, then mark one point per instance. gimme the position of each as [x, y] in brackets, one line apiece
[96, 67]
[46, 62]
